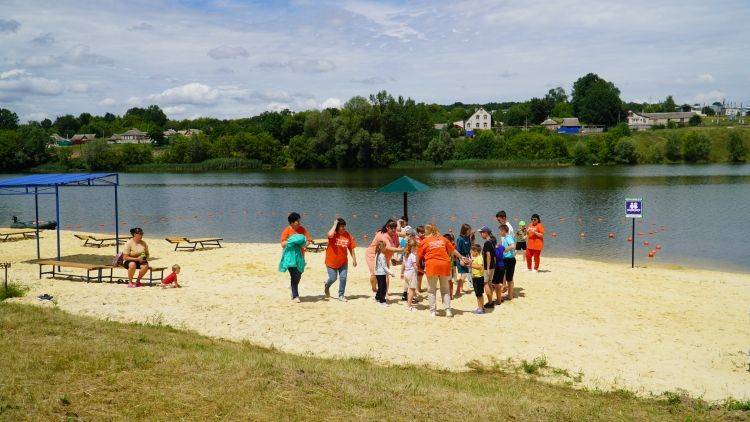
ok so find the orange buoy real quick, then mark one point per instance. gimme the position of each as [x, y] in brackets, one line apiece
[646, 243]
[630, 238]
[640, 234]
[554, 234]
[658, 247]
[582, 234]
[651, 254]
[611, 235]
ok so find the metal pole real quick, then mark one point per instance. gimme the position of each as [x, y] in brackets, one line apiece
[57, 218]
[632, 246]
[117, 225]
[406, 207]
[36, 213]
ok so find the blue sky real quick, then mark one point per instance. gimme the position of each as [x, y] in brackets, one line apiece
[237, 58]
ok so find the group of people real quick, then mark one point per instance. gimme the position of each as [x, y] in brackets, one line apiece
[422, 252]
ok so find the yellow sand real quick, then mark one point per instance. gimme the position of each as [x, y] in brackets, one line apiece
[648, 330]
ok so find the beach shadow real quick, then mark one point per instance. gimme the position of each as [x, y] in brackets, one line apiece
[518, 292]
[357, 297]
[544, 271]
[312, 299]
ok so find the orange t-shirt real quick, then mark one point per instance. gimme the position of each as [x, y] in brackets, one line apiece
[338, 246]
[436, 252]
[288, 231]
[535, 242]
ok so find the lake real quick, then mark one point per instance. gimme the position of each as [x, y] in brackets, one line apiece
[697, 213]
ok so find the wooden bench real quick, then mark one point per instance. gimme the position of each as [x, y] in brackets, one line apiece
[317, 245]
[193, 242]
[97, 241]
[6, 235]
[67, 264]
[98, 268]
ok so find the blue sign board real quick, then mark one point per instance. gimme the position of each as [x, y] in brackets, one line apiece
[470, 133]
[634, 207]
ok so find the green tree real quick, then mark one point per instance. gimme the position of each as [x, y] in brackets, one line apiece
[84, 118]
[696, 147]
[540, 110]
[98, 156]
[695, 120]
[556, 95]
[194, 149]
[596, 101]
[708, 111]
[673, 147]
[440, 148]
[669, 105]
[562, 110]
[8, 119]
[625, 152]
[67, 125]
[736, 148]
[518, 115]
[46, 124]
[580, 154]
[157, 136]
[620, 131]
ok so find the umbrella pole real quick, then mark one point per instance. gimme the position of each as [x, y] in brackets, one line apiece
[406, 206]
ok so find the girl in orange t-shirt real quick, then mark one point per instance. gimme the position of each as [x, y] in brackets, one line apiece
[535, 242]
[340, 242]
[437, 251]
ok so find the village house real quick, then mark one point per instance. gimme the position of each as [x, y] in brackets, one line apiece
[82, 138]
[187, 132]
[481, 119]
[551, 125]
[570, 126]
[133, 136]
[643, 121]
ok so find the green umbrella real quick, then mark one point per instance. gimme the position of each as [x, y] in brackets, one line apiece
[404, 184]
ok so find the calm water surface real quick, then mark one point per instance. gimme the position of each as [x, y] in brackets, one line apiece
[698, 214]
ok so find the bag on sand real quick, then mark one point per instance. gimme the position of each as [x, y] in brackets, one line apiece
[117, 260]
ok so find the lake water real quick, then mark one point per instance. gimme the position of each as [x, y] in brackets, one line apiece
[698, 214]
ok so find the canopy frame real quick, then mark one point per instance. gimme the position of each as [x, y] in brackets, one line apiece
[50, 184]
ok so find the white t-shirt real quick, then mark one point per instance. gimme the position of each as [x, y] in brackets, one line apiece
[410, 266]
[510, 227]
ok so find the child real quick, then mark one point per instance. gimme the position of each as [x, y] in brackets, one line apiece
[451, 239]
[477, 276]
[409, 272]
[463, 246]
[381, 271]
[171, 278]
[420, 266]
[521, 236]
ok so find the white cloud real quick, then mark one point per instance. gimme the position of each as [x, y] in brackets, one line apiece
[706, 77]
[9, 25]
[710, 97]
[332, 103]
[43, 39]
[39, 61]
[143, 26]
[16, 84]
[391, 21]
[172, 110]
[108, 102]
[81, 55]
[300, 65]
[192, 93]
[227, 52]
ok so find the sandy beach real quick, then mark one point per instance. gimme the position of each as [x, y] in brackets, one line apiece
[648, 330]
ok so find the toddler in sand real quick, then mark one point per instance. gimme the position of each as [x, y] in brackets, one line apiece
[409, 272]
[171, 278]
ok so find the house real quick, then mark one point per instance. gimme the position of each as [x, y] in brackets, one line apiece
[481, 119]
[550, 125]
[82, 138]
[169, 132]
[570, 126]
[133, 136]
[189, 132]
[440, 126]
[459, 124]
[642, 121]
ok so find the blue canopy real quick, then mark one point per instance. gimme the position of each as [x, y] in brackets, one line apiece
[40, 184]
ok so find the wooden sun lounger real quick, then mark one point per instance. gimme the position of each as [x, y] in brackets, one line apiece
[192, 243]
[98, 268]
[317, 245]
[6, 235]
[97, 241]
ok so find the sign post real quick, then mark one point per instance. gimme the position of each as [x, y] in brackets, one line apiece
[633, 210]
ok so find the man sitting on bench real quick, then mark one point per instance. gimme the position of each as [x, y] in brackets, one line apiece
[135, 256]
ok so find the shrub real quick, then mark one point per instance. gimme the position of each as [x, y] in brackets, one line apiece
[696, 147]
[736, 148]
[14, 290]
[625, 152]
[673, 147]
[580, 154]
[695, 120]
[440, 148]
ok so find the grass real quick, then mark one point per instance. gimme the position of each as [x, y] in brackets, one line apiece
[215, 164]
[55, 365]
[13, 290]
[479, 164]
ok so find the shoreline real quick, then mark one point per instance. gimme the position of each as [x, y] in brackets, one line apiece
[636, 330]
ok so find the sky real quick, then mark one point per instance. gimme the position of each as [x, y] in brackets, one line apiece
[230, 59]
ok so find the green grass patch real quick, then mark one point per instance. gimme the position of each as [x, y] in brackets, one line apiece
[215, 164]
[13, 290]
[477, 163]
[56, 365]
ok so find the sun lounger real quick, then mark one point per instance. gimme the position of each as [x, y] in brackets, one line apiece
[10, 234]
[96, 269]
[192, 243]
[97, 241]
[317, 245]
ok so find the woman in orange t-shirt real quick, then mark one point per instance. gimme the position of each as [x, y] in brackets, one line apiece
[385, 235]
[436, 251]
[535, 242]
[340, 242]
